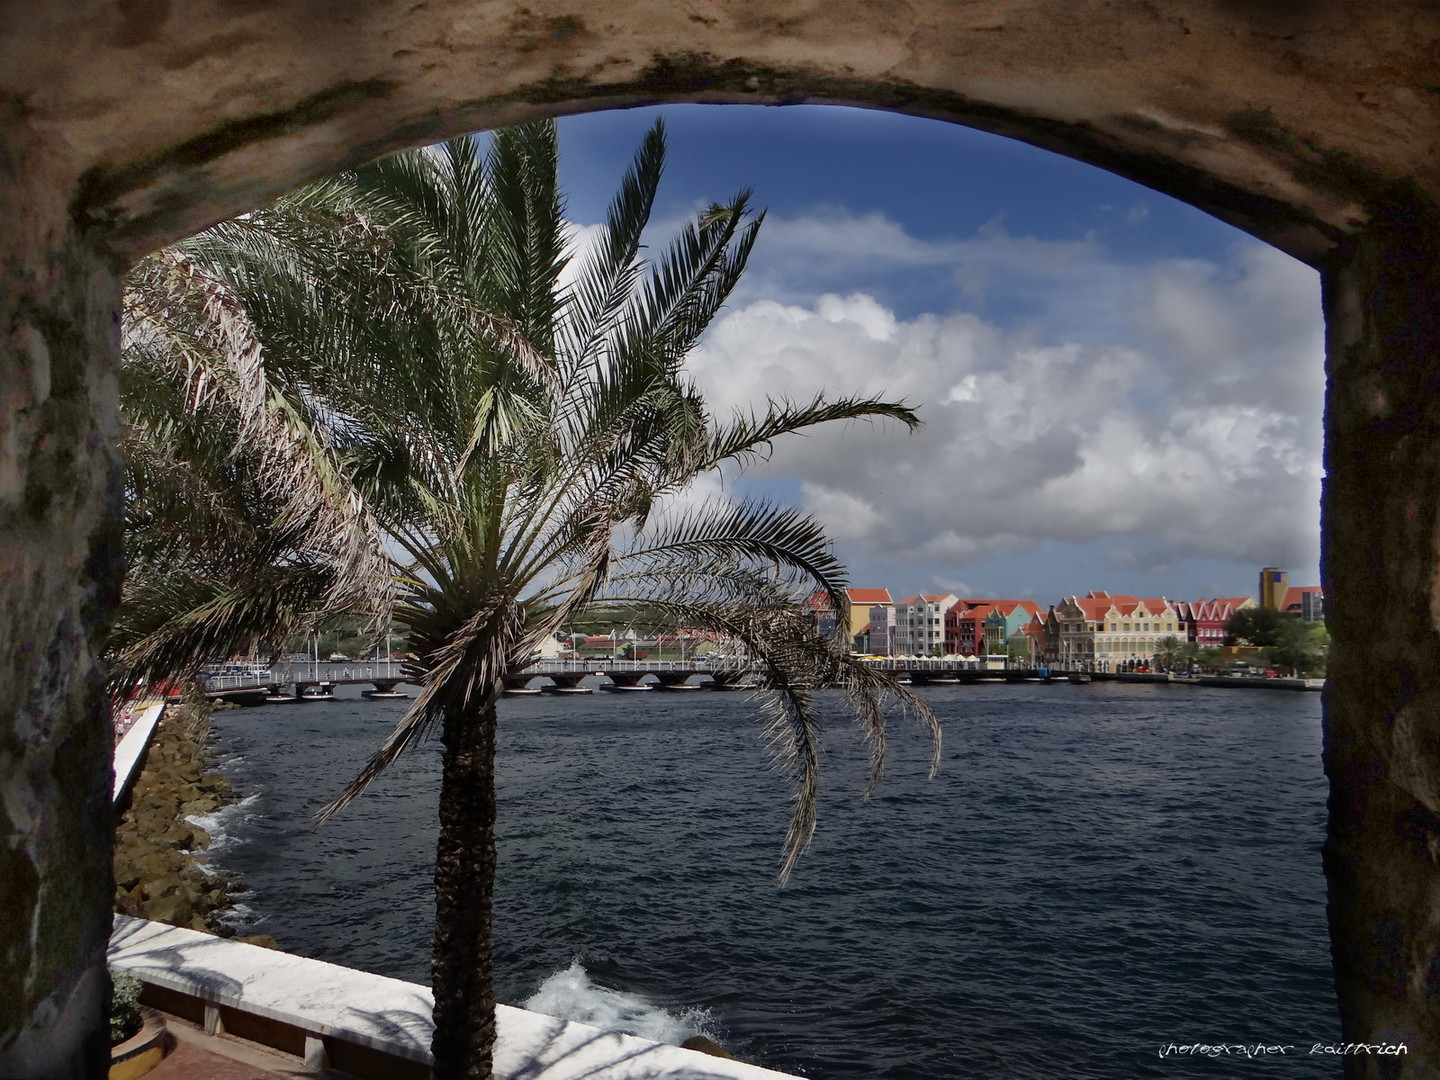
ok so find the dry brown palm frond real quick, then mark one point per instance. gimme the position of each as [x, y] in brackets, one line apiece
[193, 325]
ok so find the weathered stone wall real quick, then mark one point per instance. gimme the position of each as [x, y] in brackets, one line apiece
[179, 114]
[1315, 125]
[59, 529]
[1381, 554]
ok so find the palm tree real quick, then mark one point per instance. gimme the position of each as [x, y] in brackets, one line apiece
[1170, 654]
[1297, 647]
[517, 419]
[242, 526]
[1211, 658]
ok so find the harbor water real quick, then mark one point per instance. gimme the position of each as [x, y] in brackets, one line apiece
[1096, 874]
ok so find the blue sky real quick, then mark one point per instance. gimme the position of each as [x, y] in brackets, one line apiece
[1120, 392]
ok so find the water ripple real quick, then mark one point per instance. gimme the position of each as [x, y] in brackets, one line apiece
[1094, 872]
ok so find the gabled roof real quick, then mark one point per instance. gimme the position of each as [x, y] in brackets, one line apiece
[1096, 605]
[976, 612]
[1295, 592]
[1202, 610]
[964, 606]
[869, 596]
[929, 598]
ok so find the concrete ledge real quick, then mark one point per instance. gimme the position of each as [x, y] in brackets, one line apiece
[130, 750]
[369, 1025]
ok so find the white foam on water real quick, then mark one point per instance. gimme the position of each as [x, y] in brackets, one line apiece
[242, 917]
[570, 995]
[220, 824]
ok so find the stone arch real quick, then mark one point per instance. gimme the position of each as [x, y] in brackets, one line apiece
[126, 124]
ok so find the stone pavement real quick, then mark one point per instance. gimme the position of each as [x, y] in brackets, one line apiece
[197, 1056]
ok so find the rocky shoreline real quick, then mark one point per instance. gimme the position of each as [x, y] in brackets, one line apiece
[161, 871]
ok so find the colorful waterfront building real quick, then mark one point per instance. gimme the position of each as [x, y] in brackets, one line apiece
[1204, 620]
[862, 602]
[1305, 601]
[920, 624]
[1111, 632]
[974, 627]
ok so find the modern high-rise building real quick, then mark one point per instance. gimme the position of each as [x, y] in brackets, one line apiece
[1273, 584]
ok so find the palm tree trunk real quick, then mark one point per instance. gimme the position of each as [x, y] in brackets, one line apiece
[462, 973]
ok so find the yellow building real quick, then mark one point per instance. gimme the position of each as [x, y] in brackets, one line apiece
[1274, 583]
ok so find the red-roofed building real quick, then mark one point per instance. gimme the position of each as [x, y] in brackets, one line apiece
[863, 603]
[1106, 632]
[1204, 620]
[974, 627]
[965, 627]
[1306, 601]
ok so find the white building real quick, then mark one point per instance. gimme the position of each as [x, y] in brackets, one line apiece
[920, 624]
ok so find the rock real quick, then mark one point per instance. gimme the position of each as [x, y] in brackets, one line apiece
[706, 1046]
[265, 941]
[162, 886]
[174, 909]
[157, 874]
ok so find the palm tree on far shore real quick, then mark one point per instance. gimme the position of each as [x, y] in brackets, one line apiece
[1171, 654]
[516, 417]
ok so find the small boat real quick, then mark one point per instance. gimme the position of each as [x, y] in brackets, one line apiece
[571, 689]
[1081, 677]
[617, 688]
[677, 686]
[322, 691]
[383, 695]
[520, 691]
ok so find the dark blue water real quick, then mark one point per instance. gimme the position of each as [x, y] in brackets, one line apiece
[1097, 871]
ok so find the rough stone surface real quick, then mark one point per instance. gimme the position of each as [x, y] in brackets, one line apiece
[159, 873]
[1382, 708]
[128, 123]
[59, 527]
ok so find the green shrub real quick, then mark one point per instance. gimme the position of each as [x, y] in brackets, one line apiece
[124, 1006]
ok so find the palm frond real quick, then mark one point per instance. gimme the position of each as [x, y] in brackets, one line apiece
[748, 435]
[607, 278]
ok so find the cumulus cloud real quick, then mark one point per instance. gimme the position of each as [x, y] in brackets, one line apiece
[1171, 410]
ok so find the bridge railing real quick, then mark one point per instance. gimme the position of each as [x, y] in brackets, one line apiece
[600, 665]
[341, 672]
[212, 683]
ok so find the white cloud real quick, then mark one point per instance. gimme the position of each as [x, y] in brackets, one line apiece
[1173, 408]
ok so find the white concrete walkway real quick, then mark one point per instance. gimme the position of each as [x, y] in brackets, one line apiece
[388, 1015]
[130, 750]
